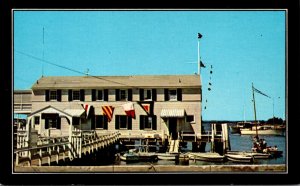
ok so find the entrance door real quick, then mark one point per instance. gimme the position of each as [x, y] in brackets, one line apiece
[173, 128]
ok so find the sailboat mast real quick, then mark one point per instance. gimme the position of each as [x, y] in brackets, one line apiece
[254, 110]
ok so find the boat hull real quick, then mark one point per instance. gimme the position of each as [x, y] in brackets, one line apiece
[262, 132]
[239, 158]
[210, 157]
[166, 156]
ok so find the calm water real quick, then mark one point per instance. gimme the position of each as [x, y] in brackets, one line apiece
[238, 143]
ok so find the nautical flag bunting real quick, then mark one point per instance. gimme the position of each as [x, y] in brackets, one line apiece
[147, 106]
[87, 109]
[202, 64]
[129, 109]
[258, 91]
[108, 112]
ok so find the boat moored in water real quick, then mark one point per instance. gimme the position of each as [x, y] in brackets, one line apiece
[239, 158]
[206, 156]
[167, 156]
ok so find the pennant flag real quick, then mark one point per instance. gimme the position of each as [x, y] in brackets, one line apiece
[202, 64]
[147, 106]
[129, 109]
[108, 112]
[258, 91]
[87, 109]
[199, 36]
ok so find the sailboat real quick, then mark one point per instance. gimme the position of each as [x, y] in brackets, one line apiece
[260, 145]
[257, 128]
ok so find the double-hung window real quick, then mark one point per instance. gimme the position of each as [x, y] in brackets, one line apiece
[53, 95]
[173, 94]
[147, 94]
[101, 122]
[76, 95]
[123, 94]
[147, 122]
[123, 122]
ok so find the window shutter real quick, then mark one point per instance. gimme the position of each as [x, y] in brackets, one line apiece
[154, 126]
[117, 125]
[105, 122]
[70, 95]
[141, 94]
[58, 95]
[129, 95]
[93, 95]
[166, 94]
[46, 123]
[105, 94]
[81, 95]
[47, 95]
[153, 94]
[93, 122]
[117, 94]
[58, 123]
[179, 94]
[142, 118]
[129, 122]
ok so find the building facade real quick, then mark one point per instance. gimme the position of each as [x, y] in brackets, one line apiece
[153, 106]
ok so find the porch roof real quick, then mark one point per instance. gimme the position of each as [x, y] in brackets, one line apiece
[74, 112]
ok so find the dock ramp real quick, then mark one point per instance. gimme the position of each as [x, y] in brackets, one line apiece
[174, 146]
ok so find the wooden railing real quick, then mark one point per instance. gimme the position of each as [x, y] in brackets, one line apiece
[47, 147]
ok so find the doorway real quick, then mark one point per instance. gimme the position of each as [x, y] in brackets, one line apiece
[173, 128]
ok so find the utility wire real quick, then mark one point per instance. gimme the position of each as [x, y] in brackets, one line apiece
[67, 68]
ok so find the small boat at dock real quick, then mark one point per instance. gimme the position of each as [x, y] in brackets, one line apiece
[239, 158]
[255, 155]
[138, 156]
[166, 156]
[206, 156]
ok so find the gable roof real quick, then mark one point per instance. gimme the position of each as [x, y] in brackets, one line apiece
[87, 82]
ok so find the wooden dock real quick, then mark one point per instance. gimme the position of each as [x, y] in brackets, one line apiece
[49, 150]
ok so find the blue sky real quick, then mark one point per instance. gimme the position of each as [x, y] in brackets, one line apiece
[242, 47]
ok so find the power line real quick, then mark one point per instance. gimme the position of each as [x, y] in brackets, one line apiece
[67, 68]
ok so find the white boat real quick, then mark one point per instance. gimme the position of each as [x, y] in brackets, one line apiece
[138, 156]
[129, 157]
[166, 156]
[255, 155]
[240, 158]
[262, 131]
[206, 156]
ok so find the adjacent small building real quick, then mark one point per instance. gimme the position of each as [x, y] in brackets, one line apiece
[148, 106]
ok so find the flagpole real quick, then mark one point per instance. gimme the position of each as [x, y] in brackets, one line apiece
[254, 110]
[199, 67]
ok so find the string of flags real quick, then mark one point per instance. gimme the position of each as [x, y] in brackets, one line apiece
[128, 108]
